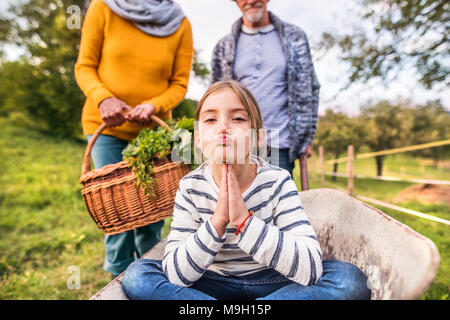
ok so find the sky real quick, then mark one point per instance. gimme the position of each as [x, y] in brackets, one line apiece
[212, 19]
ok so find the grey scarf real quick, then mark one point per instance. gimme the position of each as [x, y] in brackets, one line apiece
[159, 18]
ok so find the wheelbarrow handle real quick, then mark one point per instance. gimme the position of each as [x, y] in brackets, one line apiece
[304, 171]
[86, 166]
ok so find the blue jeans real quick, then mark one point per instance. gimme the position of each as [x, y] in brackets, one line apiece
[144, 279]
[121, 248]
[280, 158]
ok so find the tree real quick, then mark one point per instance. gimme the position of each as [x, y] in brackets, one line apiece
[335, 132]
[387, 126]
[44, 86]
[400, 34]
[20, 90]
[200, 68]
[430, 123]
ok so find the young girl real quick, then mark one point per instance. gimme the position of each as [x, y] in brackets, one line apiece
[239, 230]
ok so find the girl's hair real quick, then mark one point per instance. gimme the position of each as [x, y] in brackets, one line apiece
[248, 101]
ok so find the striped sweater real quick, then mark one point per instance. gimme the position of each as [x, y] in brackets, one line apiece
[278, 234]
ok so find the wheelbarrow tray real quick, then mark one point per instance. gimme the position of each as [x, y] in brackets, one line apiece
[399, 262]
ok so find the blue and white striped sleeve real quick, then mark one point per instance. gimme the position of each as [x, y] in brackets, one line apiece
[290, 245]
[192, 243]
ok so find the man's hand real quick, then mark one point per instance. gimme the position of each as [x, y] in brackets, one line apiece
[141, 114]
[112, 111]
[220, 218]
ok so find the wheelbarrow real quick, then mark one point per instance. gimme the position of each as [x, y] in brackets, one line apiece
[399, 262]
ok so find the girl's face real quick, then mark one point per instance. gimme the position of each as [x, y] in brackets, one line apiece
[224, 128]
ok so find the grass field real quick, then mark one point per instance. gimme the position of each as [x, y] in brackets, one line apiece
[45, 228]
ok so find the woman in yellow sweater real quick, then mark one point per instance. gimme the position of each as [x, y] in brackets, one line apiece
[134, 61]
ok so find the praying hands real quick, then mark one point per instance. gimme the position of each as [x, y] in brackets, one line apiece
[231, 207]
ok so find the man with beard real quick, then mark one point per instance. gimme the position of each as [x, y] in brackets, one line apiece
[272, 58]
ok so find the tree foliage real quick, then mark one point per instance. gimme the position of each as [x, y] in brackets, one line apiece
[388, 126]
[401, 34]
[430, 123]
[200, 68]
[385, 126]
[43, 86]
[335, 132]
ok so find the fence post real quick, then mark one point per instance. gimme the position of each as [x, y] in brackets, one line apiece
[322, 167]
[350, 170]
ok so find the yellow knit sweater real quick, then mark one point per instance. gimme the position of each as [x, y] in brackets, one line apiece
[116, 59]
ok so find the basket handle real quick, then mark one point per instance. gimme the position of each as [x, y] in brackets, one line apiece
[86, 166]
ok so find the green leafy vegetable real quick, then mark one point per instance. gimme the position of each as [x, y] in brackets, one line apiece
[159, 143]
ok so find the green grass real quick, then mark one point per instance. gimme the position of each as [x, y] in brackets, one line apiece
[45, 228]
[386, 191]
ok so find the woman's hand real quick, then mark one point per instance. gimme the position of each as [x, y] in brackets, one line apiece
[112, 111]
[237, 209]
[220, 218]
[141, 114]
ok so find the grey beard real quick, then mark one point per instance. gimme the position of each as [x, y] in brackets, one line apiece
[253, 19]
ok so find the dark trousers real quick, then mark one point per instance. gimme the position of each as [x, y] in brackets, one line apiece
[280, 158]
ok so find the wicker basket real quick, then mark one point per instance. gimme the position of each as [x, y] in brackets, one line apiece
[114, 201]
